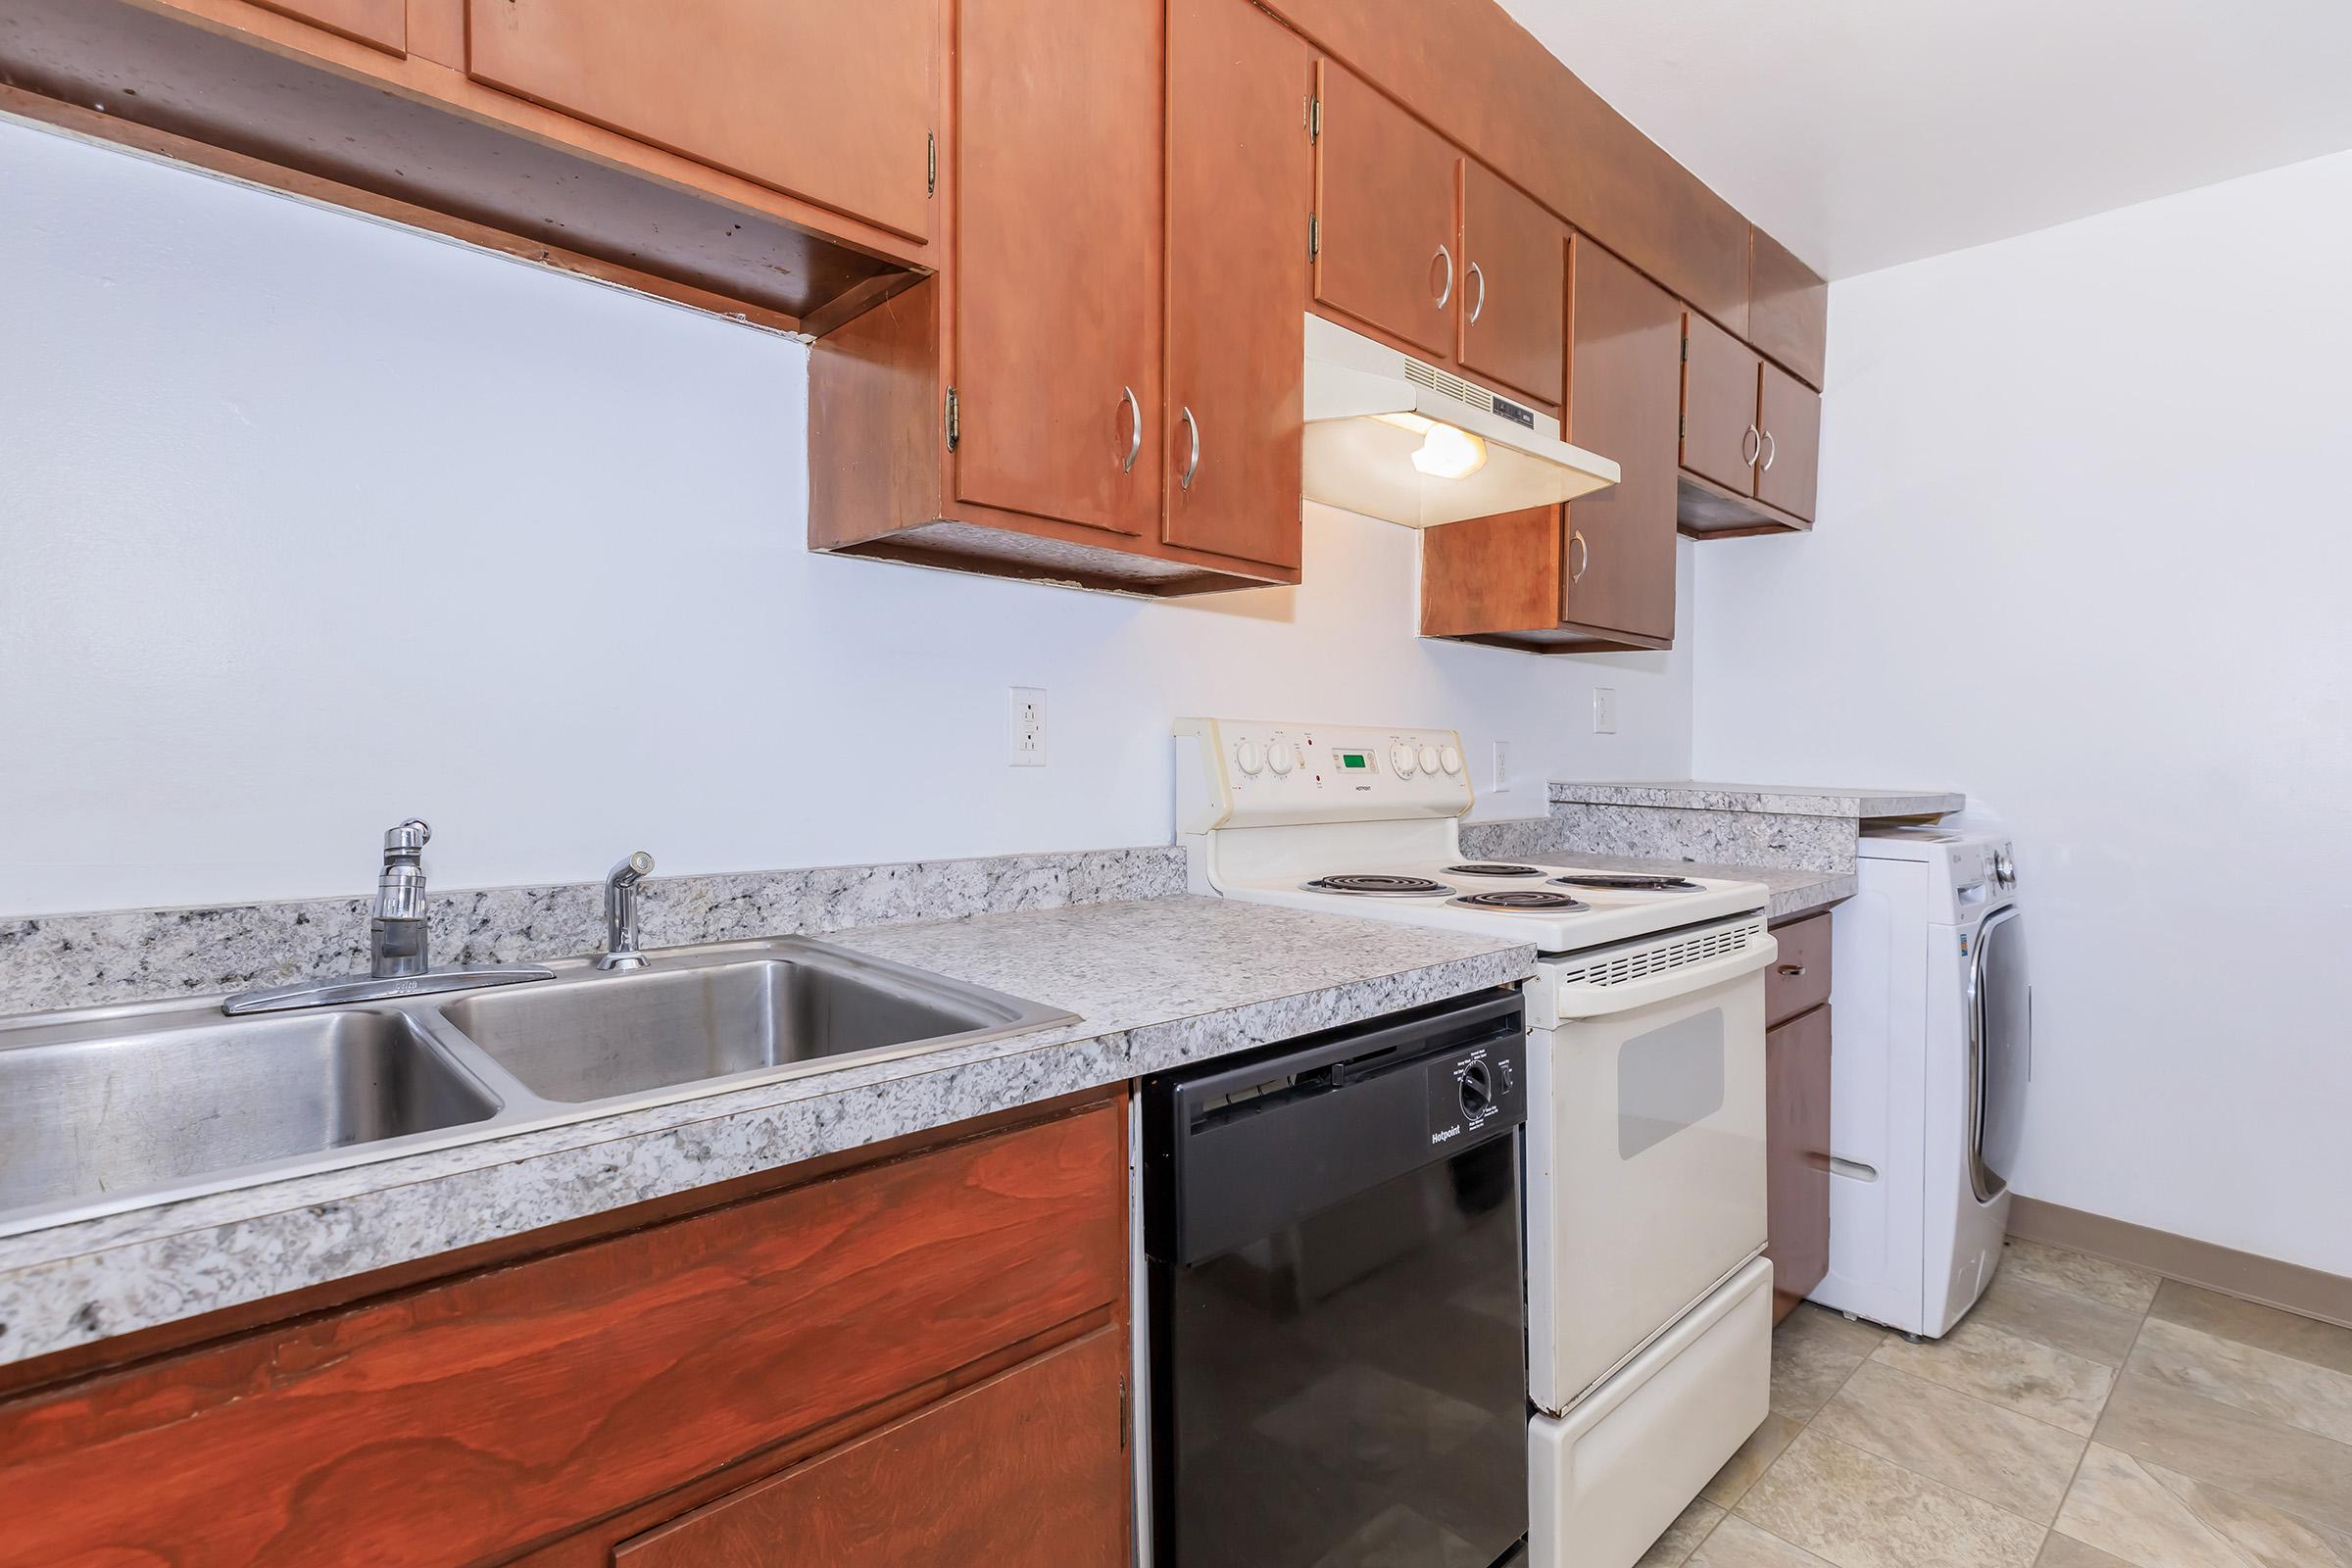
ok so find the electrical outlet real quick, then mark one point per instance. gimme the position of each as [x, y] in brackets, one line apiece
[1503, 769]
[1028, 726]
[1604, 711]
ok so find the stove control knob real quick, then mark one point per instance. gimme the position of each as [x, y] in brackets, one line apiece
[1401, 761]
[1245, 757]
[1450, 760]
[1428, 759]
[1478, 1089]
[1282, 756]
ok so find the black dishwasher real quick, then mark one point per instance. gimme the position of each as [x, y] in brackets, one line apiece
[1335, 1309]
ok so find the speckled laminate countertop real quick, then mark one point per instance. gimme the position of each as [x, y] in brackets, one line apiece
[1156, 983]
[1777, 798]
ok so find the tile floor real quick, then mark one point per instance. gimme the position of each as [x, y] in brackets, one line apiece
[2084, 1415]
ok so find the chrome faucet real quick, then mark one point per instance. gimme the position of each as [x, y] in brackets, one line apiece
[621, 900]
[399, 948]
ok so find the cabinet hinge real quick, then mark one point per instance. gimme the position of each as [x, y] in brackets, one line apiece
[955, 420]
[1682, 427]
[1122, 1413]
[1685, 348]
[1315, 236]
[931, 163]
[1314, 119]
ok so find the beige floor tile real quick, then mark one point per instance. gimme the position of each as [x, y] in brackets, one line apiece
[1682, 1537]
[2249, 1377]
[2116, 1505]
[1856, 1510]
[2063, 1551]
[2060, 1319]
[2264, 1327]
[2118, 1285]
[1755, 1455]
[2021, 1464]
[1737, 1544]
[2262, 1534]
[2018, 1374]
[2301, 1472]
[1814, 1351]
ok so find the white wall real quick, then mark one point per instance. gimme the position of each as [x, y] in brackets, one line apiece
[308, 523]
[2083, 550]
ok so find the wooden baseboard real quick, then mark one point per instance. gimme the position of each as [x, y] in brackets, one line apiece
[2290, 1287]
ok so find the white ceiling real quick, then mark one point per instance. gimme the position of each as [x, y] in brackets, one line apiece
[1861, 133]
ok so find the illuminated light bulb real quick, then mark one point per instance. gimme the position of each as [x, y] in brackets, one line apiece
[1447, 453]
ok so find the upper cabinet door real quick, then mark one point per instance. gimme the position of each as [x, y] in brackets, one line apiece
[381, 23]
[1385, 199]
[1789, 473]
[1721, 437]
[1624, 392]
[1241, 181]
[1513, 255]
[1058, 259]
[825, 100]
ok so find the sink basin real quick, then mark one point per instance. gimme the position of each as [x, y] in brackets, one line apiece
[603, 1036]
[93, 1110]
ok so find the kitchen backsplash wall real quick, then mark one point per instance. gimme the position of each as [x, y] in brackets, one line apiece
[310, 524]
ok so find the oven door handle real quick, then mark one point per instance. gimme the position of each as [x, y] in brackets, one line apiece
[1577, 1000]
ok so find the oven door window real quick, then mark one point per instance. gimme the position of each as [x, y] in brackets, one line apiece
[1668, 1080]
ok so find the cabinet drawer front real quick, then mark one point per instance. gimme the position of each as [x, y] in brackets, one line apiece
[462, 1421]
[1800, 979]
[1027, 1470]
[821, 99]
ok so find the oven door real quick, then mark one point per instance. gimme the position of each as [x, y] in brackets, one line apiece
[1645, 1152]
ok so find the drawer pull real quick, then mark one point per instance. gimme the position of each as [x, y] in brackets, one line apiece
[1794, 971]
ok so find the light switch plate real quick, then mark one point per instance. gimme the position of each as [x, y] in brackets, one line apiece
[1028, 726]
[1604, 711]
[1501, 784]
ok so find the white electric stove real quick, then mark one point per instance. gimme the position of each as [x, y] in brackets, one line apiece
[1648, 1304]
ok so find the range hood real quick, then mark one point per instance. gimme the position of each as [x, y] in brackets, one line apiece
[1393, 438]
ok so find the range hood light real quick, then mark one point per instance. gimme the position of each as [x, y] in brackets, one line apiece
[1449, 454]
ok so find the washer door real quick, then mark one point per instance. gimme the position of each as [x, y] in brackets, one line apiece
[2000, 1051]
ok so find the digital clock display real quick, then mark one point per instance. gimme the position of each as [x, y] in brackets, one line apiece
[1355, 759]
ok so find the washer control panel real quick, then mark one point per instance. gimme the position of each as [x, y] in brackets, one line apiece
[1251, 773]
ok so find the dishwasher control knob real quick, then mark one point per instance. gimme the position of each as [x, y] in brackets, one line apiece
[1428, 759]
[1282, 756]
[1450, 760]
[1245, 757]
[1401, 761]
[1478, 1089]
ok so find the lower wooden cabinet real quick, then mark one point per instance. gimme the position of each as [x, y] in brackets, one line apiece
[1027, 1470]
[1796, 1093]
[908, 1363]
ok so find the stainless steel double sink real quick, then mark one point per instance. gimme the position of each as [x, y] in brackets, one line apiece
[120, 1107]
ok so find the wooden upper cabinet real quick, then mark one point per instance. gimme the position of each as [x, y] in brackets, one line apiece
[1720, 437]
[1388, 252]
[1058, 259]
[381, 23]
[1789, 473]
[1025, 1471]
[1241, 181]
[1788, 308]
[828, 100]
[1624, 392]
[1513, 252]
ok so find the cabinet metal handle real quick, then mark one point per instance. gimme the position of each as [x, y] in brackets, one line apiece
[1478, 272]
[1446, 293]
[1584, 555]
[1191, 464]
[1772, 450]
[1135, 438]
[1794, 971]
[1752, 446]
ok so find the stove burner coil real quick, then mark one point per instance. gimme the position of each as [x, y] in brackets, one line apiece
[1627, 882]
[1493, 868]
[1379, 886]
[1523, 898]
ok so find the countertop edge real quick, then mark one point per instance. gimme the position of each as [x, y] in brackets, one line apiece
[1773, 800]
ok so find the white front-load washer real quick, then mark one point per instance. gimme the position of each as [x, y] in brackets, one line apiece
[1929, 1075]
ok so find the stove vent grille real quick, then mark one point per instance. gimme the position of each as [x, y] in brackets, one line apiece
[1624, 965]
[1452, 386]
